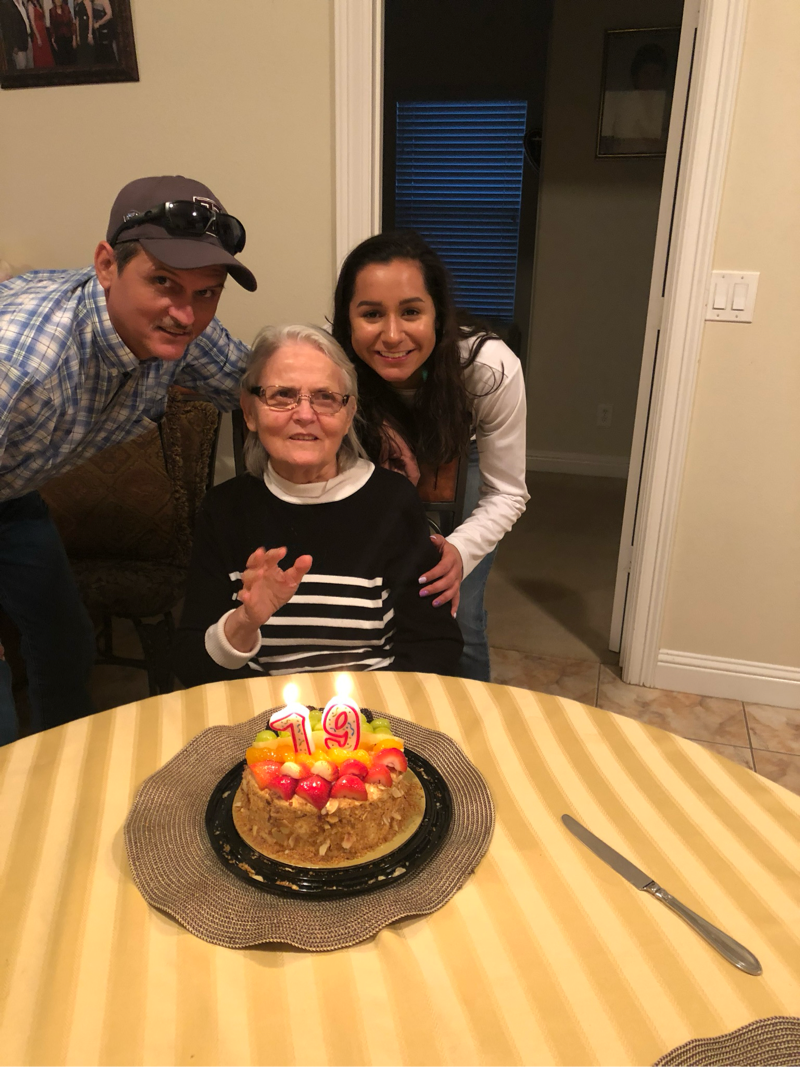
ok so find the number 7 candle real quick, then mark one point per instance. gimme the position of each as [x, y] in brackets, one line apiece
[341, 721]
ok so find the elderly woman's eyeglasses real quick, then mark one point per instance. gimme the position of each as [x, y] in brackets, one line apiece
[284, 398]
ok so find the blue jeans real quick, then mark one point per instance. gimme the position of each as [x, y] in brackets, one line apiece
[38, 592]
[471, 615]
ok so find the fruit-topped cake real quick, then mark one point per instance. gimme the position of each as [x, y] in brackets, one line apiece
[330, 806]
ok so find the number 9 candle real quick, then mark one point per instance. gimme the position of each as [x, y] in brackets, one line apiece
[341, 721]
[294, 717]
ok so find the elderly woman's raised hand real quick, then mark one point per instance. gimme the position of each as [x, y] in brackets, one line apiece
[265, 588]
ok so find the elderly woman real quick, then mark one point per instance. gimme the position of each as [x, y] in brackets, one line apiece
[312, 511]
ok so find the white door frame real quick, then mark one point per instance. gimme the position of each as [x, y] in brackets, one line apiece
[358, 105]
[709, 119]
[655, 311]
[720, 39]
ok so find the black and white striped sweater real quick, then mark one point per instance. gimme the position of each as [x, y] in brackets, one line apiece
[359, 606]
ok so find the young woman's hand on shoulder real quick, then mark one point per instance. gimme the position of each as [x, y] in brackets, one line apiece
[444, 580]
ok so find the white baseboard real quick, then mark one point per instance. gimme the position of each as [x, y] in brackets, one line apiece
[578, 463]
[738, 679]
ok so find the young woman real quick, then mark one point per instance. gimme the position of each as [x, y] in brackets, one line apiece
[432, 390]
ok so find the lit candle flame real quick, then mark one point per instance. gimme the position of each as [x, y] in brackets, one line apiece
[291, 693]
[344, 686]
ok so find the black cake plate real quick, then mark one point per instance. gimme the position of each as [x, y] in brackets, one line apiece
[327, 883]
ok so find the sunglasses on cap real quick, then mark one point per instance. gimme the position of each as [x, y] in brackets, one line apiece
[188, 218]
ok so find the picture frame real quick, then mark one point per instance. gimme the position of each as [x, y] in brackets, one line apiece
[636, 92]
[66, 42]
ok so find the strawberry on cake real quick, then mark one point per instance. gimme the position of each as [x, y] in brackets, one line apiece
[331, 807]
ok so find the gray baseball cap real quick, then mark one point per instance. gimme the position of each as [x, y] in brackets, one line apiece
[183, 252]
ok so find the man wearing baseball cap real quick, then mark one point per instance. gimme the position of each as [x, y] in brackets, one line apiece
[86, 359]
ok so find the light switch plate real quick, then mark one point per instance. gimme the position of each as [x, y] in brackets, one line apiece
[728, 287]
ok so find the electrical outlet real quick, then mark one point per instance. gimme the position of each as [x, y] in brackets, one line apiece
[604, 412]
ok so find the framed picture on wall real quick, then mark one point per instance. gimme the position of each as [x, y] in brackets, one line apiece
[66, 42]
[636, 94]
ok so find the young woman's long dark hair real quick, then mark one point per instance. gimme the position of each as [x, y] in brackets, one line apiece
[438, 425]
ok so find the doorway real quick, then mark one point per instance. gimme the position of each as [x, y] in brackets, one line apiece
[587, 230]
[717, 55]
[463, 106]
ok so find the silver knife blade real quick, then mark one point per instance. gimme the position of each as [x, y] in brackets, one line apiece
[607, 853]
[733, 952]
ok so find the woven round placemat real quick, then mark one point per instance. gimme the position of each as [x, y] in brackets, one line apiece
[177, 872]
[772, 1042]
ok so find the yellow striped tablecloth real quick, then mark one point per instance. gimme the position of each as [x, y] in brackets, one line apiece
[545, 956]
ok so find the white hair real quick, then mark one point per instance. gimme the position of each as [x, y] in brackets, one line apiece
[268, 341]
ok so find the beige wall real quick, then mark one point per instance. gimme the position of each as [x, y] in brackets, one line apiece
[595, 238]
[237, 93]
[734, 579]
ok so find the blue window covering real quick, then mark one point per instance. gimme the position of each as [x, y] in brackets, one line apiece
[458, 182]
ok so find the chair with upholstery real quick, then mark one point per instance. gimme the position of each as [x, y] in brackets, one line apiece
[442, 491]
[126, 517]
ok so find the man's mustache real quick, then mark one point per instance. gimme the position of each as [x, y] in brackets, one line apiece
[174, 327]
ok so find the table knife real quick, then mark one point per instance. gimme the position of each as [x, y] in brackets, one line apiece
[735, 953]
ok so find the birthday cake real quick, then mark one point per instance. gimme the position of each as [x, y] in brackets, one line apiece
[331, 806]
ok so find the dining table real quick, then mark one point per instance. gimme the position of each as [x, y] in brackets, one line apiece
[544, 956]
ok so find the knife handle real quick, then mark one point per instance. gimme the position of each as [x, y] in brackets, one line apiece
[735, 953]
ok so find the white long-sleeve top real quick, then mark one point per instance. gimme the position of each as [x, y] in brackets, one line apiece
[499, 421]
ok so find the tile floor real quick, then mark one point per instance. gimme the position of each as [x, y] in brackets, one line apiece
[764, 739]
[552, 584]
[549, 600]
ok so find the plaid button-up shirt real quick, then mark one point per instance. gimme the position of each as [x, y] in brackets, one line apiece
[70, 387]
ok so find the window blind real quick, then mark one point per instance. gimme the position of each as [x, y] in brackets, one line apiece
[458, 182]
